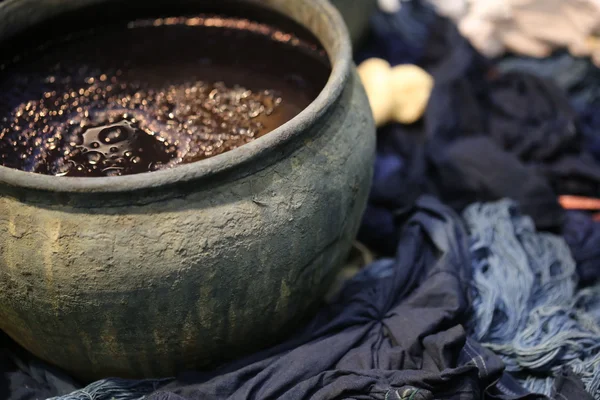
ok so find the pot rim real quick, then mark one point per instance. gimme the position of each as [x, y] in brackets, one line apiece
[339, 51]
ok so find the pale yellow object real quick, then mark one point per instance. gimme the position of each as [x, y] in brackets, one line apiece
[375, 76]
[398, 94]
[411, 88]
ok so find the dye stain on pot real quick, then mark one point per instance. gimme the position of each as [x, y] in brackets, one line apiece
[151, 94]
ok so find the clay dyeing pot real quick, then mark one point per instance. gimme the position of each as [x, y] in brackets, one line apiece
[149, 274]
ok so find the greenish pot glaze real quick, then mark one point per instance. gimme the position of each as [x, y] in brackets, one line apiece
[149, 274]
[357, 15]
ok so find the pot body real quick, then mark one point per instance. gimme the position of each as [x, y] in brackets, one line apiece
[188, 273]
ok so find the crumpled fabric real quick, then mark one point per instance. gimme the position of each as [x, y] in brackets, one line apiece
[578, 78]
[526, 116]
[589, 122]
[526, 306]
[397, 184]
[115, 389]
[567, 384]
[530, 117]
[582, 234]
[484, 129]
[23, 377]
[401, 37]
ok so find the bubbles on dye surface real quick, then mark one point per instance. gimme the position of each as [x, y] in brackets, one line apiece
[73, 119]
[119, 148]
[103, 128]
[112, 135]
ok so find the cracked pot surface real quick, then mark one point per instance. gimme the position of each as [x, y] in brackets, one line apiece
[149, 274]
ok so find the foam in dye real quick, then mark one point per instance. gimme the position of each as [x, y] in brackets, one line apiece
[151, 94]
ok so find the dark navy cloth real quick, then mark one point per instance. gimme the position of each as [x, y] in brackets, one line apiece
[491, 132]
[399, 38]
[525, 116]
[582, 234]
[477, 169]
[570, 386]
[589, 123]
[22, 377]
[579, 78]
[397, 183]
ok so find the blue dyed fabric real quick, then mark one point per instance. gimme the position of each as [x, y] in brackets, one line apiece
[486, 127]
[116, 389]
[579, 78]
[23, 377]
[527, 308]
[399, 38]
[397, 183]
[589, 123]
[583, 236]
[525, 116]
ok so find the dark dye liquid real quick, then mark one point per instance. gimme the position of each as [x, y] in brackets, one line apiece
[151, 94]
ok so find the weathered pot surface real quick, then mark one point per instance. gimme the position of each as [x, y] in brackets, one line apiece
[149, 274]
[357, 15]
